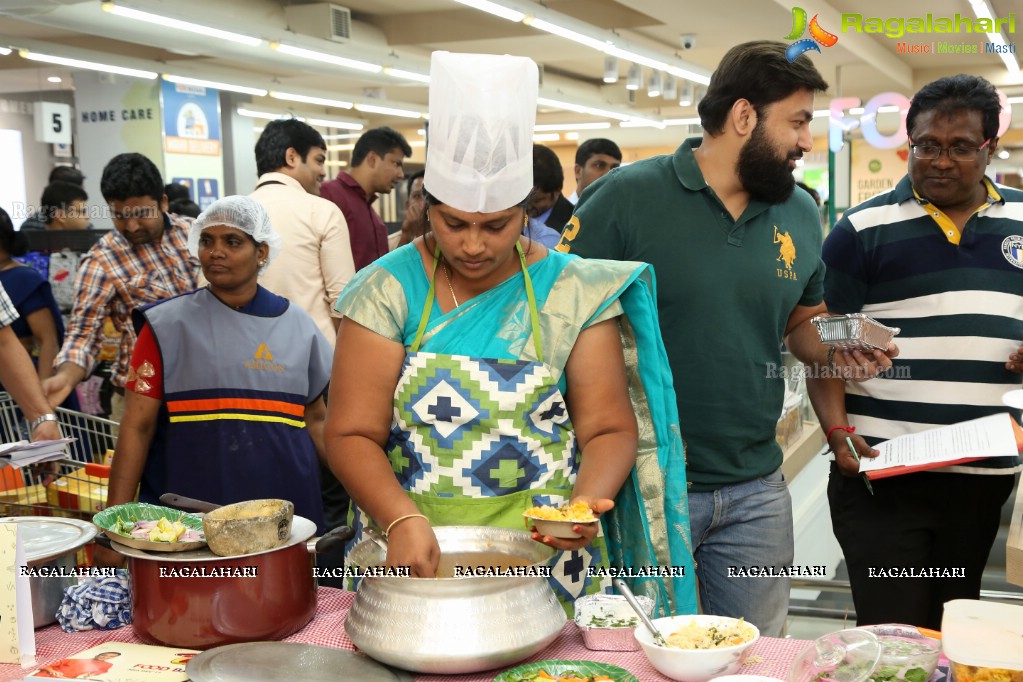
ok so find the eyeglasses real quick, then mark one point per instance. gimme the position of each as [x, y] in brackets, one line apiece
[930, 152]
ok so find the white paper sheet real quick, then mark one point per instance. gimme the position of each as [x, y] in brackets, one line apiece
[990, 436]
[19, 642]
[23, 453]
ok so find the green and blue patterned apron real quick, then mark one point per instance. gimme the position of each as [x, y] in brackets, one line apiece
[477, 441]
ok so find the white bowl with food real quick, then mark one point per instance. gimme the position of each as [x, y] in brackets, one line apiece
[560, 522]
[701, 647]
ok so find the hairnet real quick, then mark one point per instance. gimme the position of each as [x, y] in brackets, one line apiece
[482, 114]
[243, 213]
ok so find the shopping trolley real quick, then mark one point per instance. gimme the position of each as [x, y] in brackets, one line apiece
[76, 486]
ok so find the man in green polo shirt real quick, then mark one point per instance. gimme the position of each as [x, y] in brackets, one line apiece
[737, 258]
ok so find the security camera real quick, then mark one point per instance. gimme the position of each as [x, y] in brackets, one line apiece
[687, 40]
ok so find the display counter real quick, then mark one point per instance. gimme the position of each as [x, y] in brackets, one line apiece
[768, 657]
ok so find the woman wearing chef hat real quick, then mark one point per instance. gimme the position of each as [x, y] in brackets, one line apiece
[478, 374]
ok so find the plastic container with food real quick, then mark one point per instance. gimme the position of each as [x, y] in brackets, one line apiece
[854, 331]
[608, 623]
[983, 641]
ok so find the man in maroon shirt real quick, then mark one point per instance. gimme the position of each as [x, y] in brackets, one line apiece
[377, 168]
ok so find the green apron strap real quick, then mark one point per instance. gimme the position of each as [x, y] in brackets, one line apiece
[534, 316]
[428, 306]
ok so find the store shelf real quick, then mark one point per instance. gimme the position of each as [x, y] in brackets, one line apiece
[799, 453]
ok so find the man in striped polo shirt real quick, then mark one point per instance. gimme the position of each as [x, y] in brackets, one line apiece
[941, 257]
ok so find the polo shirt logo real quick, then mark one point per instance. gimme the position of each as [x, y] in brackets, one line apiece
[1012, 249]
[263, 359]
[786, 254]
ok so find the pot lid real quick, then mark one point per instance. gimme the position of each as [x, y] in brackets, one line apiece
[45, 537]
[301, 530]
[272, 661]
[843, 656]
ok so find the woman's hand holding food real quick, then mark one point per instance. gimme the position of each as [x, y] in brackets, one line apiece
[412, 543]
[587, 530]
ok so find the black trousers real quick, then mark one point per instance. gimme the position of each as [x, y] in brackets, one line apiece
[935, 524]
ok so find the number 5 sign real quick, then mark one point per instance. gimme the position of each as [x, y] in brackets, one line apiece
[52, 122]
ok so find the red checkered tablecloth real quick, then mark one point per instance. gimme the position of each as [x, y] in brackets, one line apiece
[769, 657]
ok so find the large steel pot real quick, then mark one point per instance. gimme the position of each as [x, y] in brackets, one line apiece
[198, 600]
[461, 624]
[51, 545]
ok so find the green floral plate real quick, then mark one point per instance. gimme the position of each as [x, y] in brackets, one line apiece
[141, 511]
[584, 669]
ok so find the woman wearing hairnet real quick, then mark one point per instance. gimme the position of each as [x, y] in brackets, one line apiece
[498, 379]
[224, 386]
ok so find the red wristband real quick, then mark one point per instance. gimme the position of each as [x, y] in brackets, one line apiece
[827, 436]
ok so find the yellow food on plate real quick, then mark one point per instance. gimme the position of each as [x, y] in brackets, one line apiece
[167, 531]
[695, 636]
[577, 512]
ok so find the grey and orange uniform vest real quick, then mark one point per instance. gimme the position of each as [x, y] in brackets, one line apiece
[235, 387]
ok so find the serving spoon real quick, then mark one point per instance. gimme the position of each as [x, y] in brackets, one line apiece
[631, 598]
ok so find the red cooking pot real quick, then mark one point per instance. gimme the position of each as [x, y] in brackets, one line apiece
[198, 600]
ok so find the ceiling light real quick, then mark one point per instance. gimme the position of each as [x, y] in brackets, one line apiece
[669, 88]
[658, 64]
[566, 33]
[685, 96]
[549, 127]
[406, 75]
[983, 11]
[5, 51]
[329, 123]
[495, 9]
[306, 99]
[610, 69]
[327, 58]
[340, 164]
[55, 79]
[1015, 100]
[388, 111]
[571, 136]
[82, 64]
[340, 147]
[653, 84]
[635, 77]
[167, 22]
[546, 137]
[1003, 154]
[266, 115]
[198, 82]
[593, 111]
[682, 121]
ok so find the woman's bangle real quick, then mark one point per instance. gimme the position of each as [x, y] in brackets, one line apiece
[398, 520]
[849, 429]
[38, 421]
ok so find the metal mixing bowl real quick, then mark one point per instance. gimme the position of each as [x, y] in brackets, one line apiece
[456, 625]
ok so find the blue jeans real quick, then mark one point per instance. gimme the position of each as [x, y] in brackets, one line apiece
[744, 526]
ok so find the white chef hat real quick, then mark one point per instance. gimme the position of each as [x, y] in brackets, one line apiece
[482, 114]
[243, 213]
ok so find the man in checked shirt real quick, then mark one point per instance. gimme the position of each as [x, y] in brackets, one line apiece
[144, 260]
